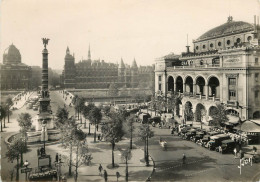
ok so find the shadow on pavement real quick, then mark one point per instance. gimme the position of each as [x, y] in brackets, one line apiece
[175, 170]
[135, 175]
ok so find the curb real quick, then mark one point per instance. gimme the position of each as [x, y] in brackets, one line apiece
[31, 145]
[150, 176]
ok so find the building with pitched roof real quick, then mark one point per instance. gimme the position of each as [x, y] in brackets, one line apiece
[97, 74]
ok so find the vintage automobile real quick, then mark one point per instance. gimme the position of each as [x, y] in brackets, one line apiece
[215, 141]
[198, 136]
[190, 134]
[256, 158]
[227, 146]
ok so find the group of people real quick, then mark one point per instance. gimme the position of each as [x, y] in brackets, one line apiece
[103, 172]
[234, 136]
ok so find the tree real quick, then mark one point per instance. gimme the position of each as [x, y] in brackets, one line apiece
[144, 134]
[62, 115]
[113, 90]
[113, 131]
[95, 117]
[219, 115]
[86, 110]
[15, 151]
[129, 126]
[126, 155]
[79, 105]
[153, 104]
[70, 134]
[25, 123]
[106, 110]
[188, 114]
[80, 148]
[2, 116]
[200, 112]
[9, 103]
[161, 104]
[173, 101]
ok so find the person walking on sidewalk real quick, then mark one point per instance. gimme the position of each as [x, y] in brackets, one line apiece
[100, 168]
[105, 175]
[235, 152]
[183, 159]
[254, 150]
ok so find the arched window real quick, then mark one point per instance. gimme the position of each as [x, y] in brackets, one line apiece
[228, 42]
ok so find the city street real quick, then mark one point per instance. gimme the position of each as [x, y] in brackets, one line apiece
[101, 151]
[201, 163]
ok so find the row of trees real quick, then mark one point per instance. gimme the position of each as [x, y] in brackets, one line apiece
[5, 112]
[18, 145]
[74, 139]
[173, 101]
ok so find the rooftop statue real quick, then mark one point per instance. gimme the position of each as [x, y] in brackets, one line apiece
[45, 42]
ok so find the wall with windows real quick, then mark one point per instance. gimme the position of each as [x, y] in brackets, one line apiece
[223, 42]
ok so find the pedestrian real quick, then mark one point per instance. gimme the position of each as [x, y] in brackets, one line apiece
[183, 159]
[172, 132]
[254, 150]
[100, 168]
[57, 157]
[235, 152]
[105, 175]
[220, 149]
[98, 137]
[117, 175]
[38, 152]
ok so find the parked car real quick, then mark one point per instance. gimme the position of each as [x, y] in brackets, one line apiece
[215, 141]
[155, 119]
[227, 146]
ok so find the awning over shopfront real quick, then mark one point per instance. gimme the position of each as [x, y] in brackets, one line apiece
[233, 119]
[249, 126]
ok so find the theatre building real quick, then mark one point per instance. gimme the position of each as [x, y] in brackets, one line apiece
[222, 68]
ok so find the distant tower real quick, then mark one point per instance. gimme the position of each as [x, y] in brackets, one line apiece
[134, 74]
[69, 70]
[89, 54]
[121, 73]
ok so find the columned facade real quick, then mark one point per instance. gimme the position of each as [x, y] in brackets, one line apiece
[219, 71]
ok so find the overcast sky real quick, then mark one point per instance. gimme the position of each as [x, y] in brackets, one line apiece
[144, 29]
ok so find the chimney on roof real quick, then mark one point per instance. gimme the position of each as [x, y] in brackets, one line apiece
[187, 46]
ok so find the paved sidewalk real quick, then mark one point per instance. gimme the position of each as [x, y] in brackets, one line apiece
[20, 103]
[13, 125]
[101, 153]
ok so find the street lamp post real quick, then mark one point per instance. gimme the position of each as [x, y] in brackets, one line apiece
[58, 165]
[26, 164]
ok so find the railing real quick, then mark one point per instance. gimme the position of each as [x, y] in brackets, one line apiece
[217, 99]
[198, 96]
[195, 66]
